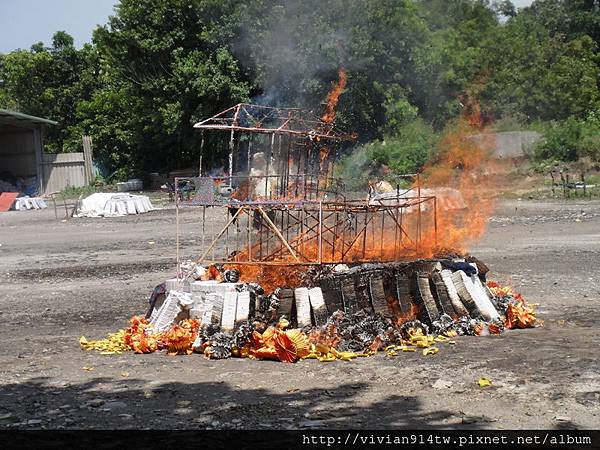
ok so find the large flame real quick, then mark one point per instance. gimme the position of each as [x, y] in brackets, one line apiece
[334, 96]
[463, 165]
[467, 165]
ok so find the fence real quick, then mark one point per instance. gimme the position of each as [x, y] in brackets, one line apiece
[63, 169]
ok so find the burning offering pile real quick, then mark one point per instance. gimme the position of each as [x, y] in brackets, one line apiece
[338, 313]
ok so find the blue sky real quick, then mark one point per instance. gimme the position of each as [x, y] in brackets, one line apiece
[25, 22]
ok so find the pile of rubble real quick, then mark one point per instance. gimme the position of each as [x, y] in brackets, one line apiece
[339, 312]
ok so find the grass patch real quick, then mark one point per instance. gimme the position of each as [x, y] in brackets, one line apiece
[71, 192]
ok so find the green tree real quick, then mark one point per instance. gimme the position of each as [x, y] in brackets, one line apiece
[570, 18]
[537, 76]
[49, 82]
[164, 66]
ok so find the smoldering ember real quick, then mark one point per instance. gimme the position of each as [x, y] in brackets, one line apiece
[291, 268]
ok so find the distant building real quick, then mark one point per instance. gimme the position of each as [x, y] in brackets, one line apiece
[25, 166]
[22, 146]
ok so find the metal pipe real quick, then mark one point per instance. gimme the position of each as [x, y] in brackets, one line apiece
[287, 167]
[231, 142]
[201, 153]
[269, 166]
[227, 235]
[304, 134]
[435, 225]
[320, 232]
[366, 224]
[231, 158]
[203, 226]
[382, 235]
[279, 166]
[418, 236]
[249, 223]
[177, 229]
[249, 157]
[216, 239]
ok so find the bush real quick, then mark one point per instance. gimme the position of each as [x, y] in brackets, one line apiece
[571, 139]
[590, 137]
[121, 174]
[71, 192]
[560, 141]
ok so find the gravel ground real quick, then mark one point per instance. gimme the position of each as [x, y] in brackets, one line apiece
[64, 279]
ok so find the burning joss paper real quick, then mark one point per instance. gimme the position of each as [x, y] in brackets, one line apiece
[283, 326]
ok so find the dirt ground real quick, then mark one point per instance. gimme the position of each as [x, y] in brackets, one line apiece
[65, 279]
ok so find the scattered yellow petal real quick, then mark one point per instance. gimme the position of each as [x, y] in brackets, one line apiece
[89, 369]
[430, 351]
[483, 382]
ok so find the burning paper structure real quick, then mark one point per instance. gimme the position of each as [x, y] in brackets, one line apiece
[296, 270]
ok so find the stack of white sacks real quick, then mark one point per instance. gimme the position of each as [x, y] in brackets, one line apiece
[26, 202]
[103, 204]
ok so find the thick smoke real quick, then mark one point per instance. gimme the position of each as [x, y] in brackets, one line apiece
[296, 58]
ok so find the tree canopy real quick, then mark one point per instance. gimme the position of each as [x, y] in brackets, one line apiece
[159, 66]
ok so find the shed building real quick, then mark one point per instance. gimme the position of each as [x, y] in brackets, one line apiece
[22, 145]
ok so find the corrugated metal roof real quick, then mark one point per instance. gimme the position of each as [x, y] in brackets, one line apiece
[25, 117]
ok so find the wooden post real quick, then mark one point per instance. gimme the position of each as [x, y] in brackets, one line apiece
[87, 158]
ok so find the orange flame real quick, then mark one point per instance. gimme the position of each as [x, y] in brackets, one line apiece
[413, 314]
[468, 166]
[462, 164]
[270, 277]
[334, 96]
